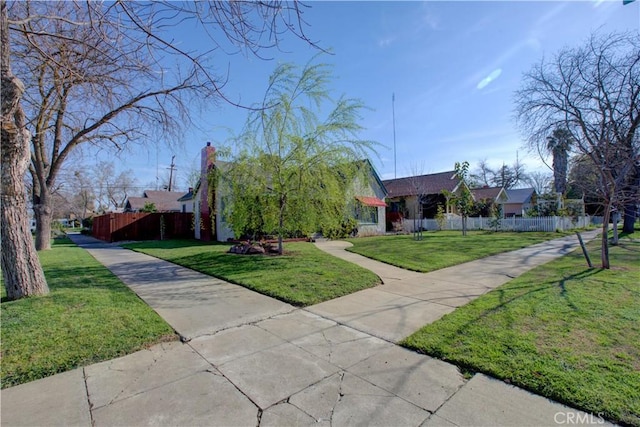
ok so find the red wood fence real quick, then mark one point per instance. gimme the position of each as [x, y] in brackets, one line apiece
[114, 227]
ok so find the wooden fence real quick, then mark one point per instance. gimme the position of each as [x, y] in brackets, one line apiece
[115, 227]
[543, 223]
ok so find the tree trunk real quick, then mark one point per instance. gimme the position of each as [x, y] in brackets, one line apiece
[629, 217]
[44, 217]
[21, 268]
[604, 254]
[632, 200]
[281, 226]
[614, 240]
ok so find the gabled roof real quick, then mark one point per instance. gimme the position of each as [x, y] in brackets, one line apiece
[520, 195]
[424, 184]
[188, 196]
[165, 201]
[488, 193]
[374, 173]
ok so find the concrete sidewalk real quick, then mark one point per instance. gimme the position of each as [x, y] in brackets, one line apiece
[250, 360]
[408, 300]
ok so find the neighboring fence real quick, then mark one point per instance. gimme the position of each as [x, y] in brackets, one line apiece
[115, 227]
[545, 223]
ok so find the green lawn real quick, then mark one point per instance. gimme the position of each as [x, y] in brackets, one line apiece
[561, 330]
[89, 316]
[303, 276]
[443, 249]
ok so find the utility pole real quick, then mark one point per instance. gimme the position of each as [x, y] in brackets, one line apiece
[393, 111]
[171, 169]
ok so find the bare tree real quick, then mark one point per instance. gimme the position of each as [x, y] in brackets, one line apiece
[417, 184]
[111, 188]
[505, 176]
[592, 91]
[540, 181]
[509, 176]
[104, 74]
[482, 175]
[583, 182]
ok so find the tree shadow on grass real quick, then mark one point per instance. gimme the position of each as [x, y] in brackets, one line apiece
[506, 298]
[578, 276]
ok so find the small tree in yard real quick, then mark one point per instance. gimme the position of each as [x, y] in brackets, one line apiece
[496, 217]
[441, 218]
[293, 169]
[464, 199]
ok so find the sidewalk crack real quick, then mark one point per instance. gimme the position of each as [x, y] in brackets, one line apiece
[86, 389]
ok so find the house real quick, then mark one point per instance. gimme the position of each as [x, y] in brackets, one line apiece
[368, 195]
[198, 199]
[369, 206]
[417, 197]
[519, 201]
[487, 197]
[186, 201]
[164, 201]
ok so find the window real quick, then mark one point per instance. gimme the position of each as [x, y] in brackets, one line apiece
[366, 214]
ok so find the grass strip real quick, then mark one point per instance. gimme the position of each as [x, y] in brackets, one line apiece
[562, 330]
[89, 316]
[303, 276]
[442, 249]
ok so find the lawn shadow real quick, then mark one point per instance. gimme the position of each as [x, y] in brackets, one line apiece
[578, 276]
[504, 300]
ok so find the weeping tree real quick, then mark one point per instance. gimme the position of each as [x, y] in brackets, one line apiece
[105, 75]
[593, 92]
[295, 167]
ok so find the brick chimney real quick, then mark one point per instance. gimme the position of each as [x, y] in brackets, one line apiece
[208, 156]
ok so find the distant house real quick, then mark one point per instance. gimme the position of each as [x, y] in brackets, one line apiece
[164, 201]
[490, 196]
[186, 201]
[519, 201]
[411, 195]
[368, 200]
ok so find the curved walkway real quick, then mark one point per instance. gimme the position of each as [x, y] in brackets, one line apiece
[408, 300]
[249, 360]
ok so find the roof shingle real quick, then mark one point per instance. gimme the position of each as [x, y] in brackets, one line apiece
[424, 184]
[165, 201]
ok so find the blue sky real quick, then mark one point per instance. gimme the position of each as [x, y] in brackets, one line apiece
[453, 66]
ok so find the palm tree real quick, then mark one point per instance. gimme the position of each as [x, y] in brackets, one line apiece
[559, 144]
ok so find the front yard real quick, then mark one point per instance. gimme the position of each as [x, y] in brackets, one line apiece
[443, 249]
[303, 276]
[89, 316]
[561, 330]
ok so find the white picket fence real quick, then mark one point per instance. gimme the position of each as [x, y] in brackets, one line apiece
[543, 223]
